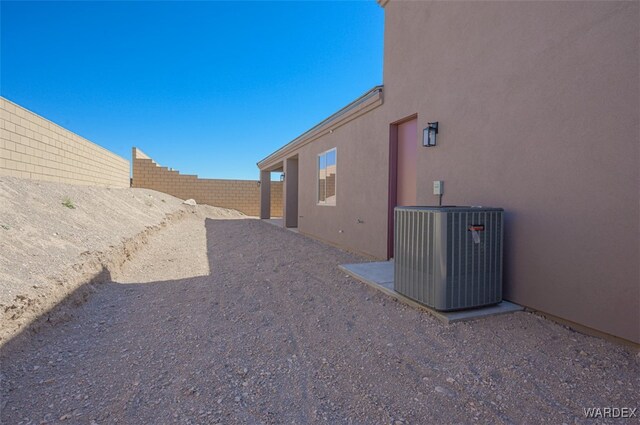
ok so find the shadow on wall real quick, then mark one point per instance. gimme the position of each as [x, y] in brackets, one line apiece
[507, 247]
[241, 195]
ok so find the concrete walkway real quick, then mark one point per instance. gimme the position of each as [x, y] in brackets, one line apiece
[280, 223]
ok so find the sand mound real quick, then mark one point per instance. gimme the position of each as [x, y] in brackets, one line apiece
[56, 237]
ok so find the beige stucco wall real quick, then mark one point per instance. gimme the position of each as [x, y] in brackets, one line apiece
[538, 105]
[35, 148]
[358, 221]
[241, 195]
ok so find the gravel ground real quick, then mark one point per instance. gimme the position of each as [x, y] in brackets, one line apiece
[41, 240]
[261, 327]
[48, 249]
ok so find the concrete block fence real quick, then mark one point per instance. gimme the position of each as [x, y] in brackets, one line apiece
[241, 195]
[34, 148]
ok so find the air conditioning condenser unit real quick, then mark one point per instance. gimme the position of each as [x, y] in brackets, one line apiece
[449, 258]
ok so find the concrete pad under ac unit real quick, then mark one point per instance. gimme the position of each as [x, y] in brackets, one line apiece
[379, 275]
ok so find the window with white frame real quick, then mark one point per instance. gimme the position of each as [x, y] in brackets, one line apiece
[327, 177]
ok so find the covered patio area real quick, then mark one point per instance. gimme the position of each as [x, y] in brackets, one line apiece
[289, 176]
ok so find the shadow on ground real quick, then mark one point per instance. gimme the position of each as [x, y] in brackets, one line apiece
[276, 333]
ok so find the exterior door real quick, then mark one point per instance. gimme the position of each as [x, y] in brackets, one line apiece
[406, 182]
[403, 179]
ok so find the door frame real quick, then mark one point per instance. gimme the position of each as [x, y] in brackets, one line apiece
[393, 178]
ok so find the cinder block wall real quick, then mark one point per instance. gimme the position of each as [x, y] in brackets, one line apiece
[34, 148]
[241, 195]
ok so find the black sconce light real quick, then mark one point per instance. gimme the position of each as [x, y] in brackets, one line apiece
[282, 177]
[429, 134]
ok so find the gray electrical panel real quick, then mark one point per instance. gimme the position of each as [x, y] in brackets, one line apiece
[449, 258]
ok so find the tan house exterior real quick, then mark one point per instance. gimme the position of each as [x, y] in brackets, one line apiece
[538, 112]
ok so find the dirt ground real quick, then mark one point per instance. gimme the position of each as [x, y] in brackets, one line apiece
[239, 321]
[47, 249]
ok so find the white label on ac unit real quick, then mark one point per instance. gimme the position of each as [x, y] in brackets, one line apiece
[438, 187]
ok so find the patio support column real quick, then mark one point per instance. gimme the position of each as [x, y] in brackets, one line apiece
[265, 194]
[291, 192]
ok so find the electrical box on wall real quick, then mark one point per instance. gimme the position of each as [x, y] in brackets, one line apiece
[438, 187]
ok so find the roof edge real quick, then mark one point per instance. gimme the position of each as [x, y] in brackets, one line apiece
[363, 104]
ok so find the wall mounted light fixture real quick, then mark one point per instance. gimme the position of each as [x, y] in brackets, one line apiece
[429, 134]
[282, 177]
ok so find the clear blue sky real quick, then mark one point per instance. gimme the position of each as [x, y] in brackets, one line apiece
[207, 88]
